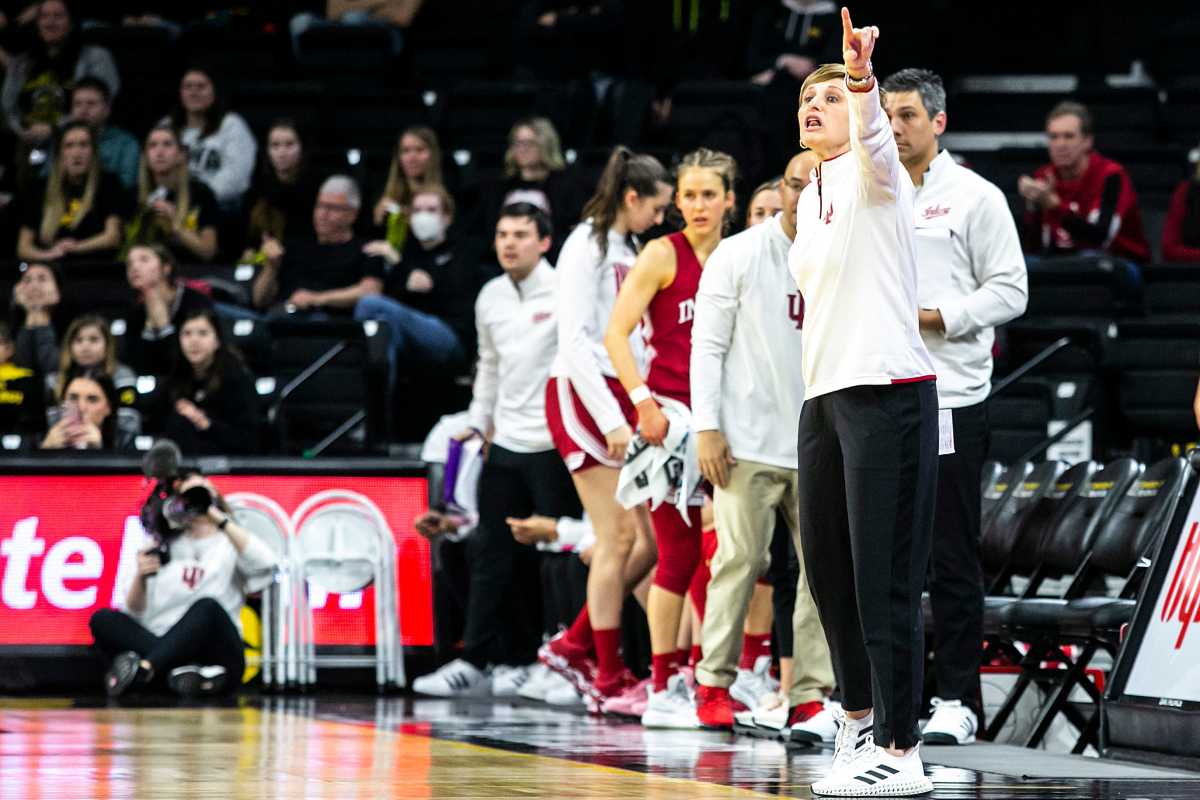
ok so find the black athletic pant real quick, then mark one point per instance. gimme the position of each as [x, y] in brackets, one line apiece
[504, 604]
[955, 569]
[783, 574]
[868, 473]
[203, 635]
[564, 590]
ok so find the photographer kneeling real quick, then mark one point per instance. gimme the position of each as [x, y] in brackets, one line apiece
[184, 606]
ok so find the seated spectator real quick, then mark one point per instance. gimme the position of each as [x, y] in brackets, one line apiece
[79, 215]
[1081, 201]
[284, 188]
[1181, 233]
[89, 418]
[89, 345]
[34, 98]
[173, 209]
[181, 623]
[765, 203]
[36, 304]
[326, 272]
[91, 103]
[220, 147]
[429, 293]
[212, 404]
[416, 162]
[163, 302]
[535, 172]
[20, 391]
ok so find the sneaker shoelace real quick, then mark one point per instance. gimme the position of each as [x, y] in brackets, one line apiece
[851, 739]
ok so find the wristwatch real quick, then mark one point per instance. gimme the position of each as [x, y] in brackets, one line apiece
[224, 523]
[857, 84]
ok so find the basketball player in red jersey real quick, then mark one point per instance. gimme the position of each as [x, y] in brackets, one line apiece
[662, 286]
[591, 419]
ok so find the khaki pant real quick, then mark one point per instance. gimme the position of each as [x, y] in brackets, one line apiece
[745, 518]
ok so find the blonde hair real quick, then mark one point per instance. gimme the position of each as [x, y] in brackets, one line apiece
[715, 161]
[549, 147]
[181, 175]
[441, 193]
[55, 205]
[830, 72]
[397, 187]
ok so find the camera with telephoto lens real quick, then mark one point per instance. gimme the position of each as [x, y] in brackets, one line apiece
[167, 512]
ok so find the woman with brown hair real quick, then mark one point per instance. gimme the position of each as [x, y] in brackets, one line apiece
[416, 163]
[79, 216]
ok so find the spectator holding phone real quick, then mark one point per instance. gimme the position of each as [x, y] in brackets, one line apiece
[181, 614]
[89, 418]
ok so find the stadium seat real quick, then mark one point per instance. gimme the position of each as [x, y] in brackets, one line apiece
[1156, 375]
[348, 54]
[480, 114]
[330, 382]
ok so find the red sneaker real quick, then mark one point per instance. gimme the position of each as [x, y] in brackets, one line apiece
[572, 662]
[714, 708]
[804, 712]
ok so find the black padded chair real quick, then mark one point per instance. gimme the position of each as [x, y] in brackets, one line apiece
[1093, 622]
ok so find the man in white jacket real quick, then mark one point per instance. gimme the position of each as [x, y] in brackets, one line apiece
[522, 473]
[745, 389]
[972, 278]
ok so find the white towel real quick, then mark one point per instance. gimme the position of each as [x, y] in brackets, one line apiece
[668, 472]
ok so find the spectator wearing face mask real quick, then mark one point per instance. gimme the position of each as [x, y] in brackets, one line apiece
[430, 289]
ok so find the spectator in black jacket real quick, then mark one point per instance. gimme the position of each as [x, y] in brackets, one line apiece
[281, 197]
[20, 391]
[211, 393]
[535, 172]
[326, 272]
[90, 420]
[36, 317]
[429, 295]
[79, 215]
[163, 302]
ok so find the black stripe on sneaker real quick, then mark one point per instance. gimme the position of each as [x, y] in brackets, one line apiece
[880, 775]
[887, 769]
[866, 780]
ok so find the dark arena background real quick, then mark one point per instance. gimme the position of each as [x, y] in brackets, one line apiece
[178, 264]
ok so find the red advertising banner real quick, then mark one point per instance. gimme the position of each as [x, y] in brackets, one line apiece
[66, 539]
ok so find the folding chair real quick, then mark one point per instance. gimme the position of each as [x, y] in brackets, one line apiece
[1093, 622]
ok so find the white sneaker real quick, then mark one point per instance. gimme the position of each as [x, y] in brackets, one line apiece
[539, 681]
[951, 723]
[562, 693]
[820, 727]
[457, 679]
[751, 684]
[873, 772]
[674, 707]
[853, 737]
[507, 681]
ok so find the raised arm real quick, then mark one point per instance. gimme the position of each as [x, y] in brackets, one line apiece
[871, 139]
[654, 269]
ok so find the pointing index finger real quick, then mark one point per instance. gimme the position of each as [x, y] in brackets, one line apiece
[847, 25]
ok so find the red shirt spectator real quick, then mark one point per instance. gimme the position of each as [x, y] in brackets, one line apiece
[1080, 200]
[1181, 234]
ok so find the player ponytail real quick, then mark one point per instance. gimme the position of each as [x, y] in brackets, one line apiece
[625, 170]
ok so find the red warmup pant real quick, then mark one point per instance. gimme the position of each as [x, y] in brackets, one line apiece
[678, 547]
[698, 588]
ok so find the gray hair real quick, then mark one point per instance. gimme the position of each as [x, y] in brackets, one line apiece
[343, 184]
[925, 82]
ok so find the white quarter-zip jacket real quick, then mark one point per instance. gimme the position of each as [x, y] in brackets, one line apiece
[746, 344]
[588, 288]
[517, 342]
[971, 269]
[855, 262]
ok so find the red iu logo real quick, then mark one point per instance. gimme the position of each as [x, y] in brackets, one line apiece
[192, 576]
[829, 216]
[1184, 592]
[935, 211]
[796, 310]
